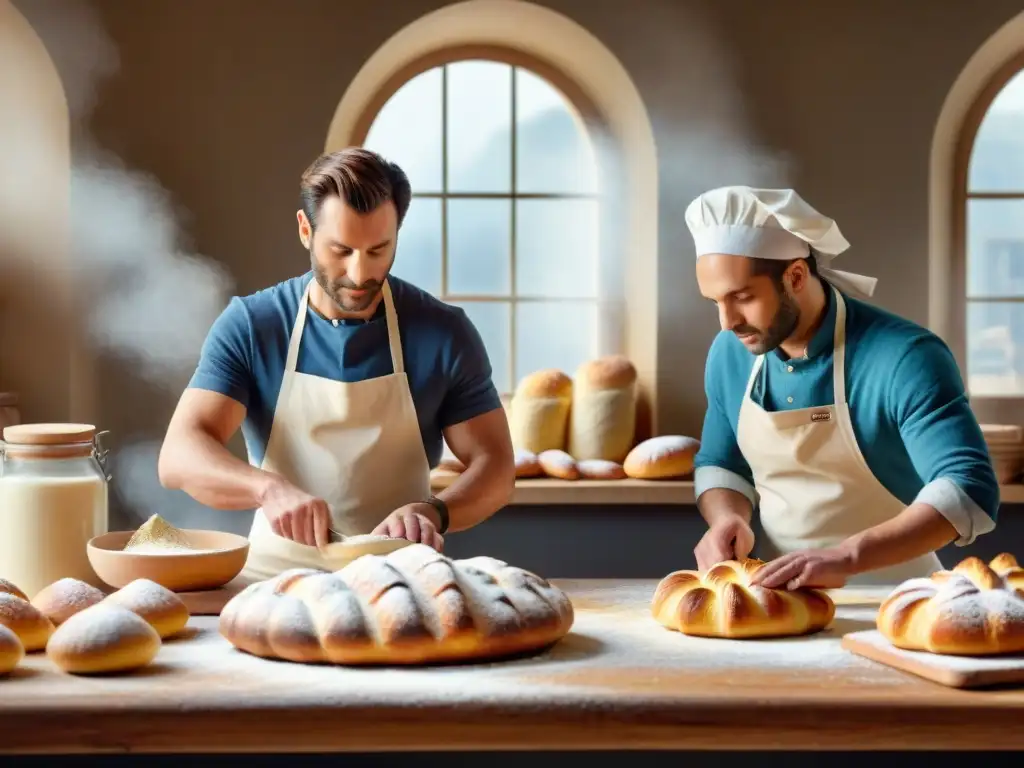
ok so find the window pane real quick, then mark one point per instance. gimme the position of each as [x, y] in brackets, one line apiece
[479, 247]
[493, 321]
[995, 247]
[418, 258]
[556, 248]
[479, 127]
[995, 365]
[554, 334]
[553, 151]
[997, 159]
[418, 151]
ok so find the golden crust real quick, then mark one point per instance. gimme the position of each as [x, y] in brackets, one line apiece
[972, 610]
[10, 588]
[721, 603]
[527, 464]
[412, 606]
[661, 457]
[611, 372]
[26, 621]
[548, 382]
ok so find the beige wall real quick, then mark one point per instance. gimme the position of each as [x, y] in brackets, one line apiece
[226, 109]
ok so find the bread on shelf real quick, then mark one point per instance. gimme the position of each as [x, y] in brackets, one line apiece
[527, 464]
[975, 609]
[558, 464]
[662, 457]
[600, 469]
[539, 409]
[721, 603]
[602, 419]
[412, 606]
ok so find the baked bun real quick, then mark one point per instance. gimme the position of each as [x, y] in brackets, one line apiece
[11, 650]
[973, 610]
[26, 621]
[540, 411]
[722, 603]
[527, 464]
[662, 457]
[600, 469]
[103, 638]
[9, 588]
[412, 606]
[602, 420]
[64, 598]
[558, 464]
[154, 603]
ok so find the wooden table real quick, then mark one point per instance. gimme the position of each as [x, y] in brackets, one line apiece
[619, 681]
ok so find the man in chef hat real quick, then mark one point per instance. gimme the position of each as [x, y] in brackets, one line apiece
[846, 426]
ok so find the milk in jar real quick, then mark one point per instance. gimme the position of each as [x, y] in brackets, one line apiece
[53, 500]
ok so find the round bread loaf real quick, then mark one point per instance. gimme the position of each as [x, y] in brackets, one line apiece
[9, 588]
[412, 606]
[602, 419]
[599, 469]
[26, 621]
[722, 603]
[101, 639]
[154, 603]
[661, 458]
[540, 411]
[558, 464]
[64, 598]
[11, 650]
[973, 610]
[527, 464]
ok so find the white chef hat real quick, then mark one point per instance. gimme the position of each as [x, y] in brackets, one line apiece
[771, 224]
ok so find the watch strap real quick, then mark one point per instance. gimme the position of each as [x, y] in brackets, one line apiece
[442, 512]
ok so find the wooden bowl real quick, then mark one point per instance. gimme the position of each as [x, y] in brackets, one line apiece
[184, 572]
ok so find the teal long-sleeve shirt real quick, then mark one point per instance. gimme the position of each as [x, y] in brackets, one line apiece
[910, 412]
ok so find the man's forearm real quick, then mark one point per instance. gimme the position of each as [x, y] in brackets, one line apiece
[716, 504]
[916, 531]
[199, 465]
[484, 487]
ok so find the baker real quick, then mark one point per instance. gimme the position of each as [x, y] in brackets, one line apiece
[845, 426]
[343, 380]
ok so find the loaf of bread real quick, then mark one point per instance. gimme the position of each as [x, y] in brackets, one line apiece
[600, 469]
[101, 639]
[11, 650]
[26, 621]
[558, 464]
[602, 419]
[9, 588]
[973, 610]
[662, 458]
[412, 606]
[722, 603]
[527, 464]
[156, 604]
[540, 411]
[64, 598]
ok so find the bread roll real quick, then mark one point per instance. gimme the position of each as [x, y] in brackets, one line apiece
[558, 464]
[11, 650]
[722, 603]
[26, 621]
[64, 598]
[103, 638]
[540, 411]
[973, 610]
[599, 469]
[662, 457]
[527, 464]
[154, 603]
[412, 606]
[8, 588]
[602, 420]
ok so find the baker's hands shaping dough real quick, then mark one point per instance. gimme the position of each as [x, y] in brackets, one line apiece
[818, 568]
[730, 538]
[413, 522]
[294, 514]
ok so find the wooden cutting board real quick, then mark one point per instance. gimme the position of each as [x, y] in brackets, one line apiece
[952, 671]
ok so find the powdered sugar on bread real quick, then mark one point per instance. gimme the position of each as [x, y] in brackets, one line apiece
[65, 597]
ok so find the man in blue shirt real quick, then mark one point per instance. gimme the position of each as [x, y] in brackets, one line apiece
[847, 427]
[344, 381]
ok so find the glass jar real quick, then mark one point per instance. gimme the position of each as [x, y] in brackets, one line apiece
[53, 500]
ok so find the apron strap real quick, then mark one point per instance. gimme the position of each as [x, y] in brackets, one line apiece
[839, 351]
[754, 370]
[296, 338]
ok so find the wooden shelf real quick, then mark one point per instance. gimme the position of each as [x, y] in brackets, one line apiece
[551, 491]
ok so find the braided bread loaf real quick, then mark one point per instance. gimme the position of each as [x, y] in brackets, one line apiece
[973, 610]
[410, 606]
[722, 603]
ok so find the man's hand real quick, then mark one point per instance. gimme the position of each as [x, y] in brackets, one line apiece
[295, 515]
[819, 568]
[729, 538]
[414, 522]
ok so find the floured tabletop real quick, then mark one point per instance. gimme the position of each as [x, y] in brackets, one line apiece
[618, 681]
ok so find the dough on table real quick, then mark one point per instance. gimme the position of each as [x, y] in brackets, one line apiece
[26, 621]
[103, 638]
[65, 597]
[154, 603]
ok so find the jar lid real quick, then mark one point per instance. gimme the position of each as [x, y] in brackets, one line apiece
[49, 434]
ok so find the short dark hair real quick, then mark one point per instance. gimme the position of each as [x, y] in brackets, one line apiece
[775, 268]
[362, 179]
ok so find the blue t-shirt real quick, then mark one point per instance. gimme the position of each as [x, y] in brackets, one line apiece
[446, 363]
[911, 416]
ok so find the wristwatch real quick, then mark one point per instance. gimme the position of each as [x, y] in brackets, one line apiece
[442, 512]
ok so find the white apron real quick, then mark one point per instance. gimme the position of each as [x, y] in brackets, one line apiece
[815, 487]
[355, 445]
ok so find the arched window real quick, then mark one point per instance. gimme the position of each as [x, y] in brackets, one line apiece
[505, 219]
